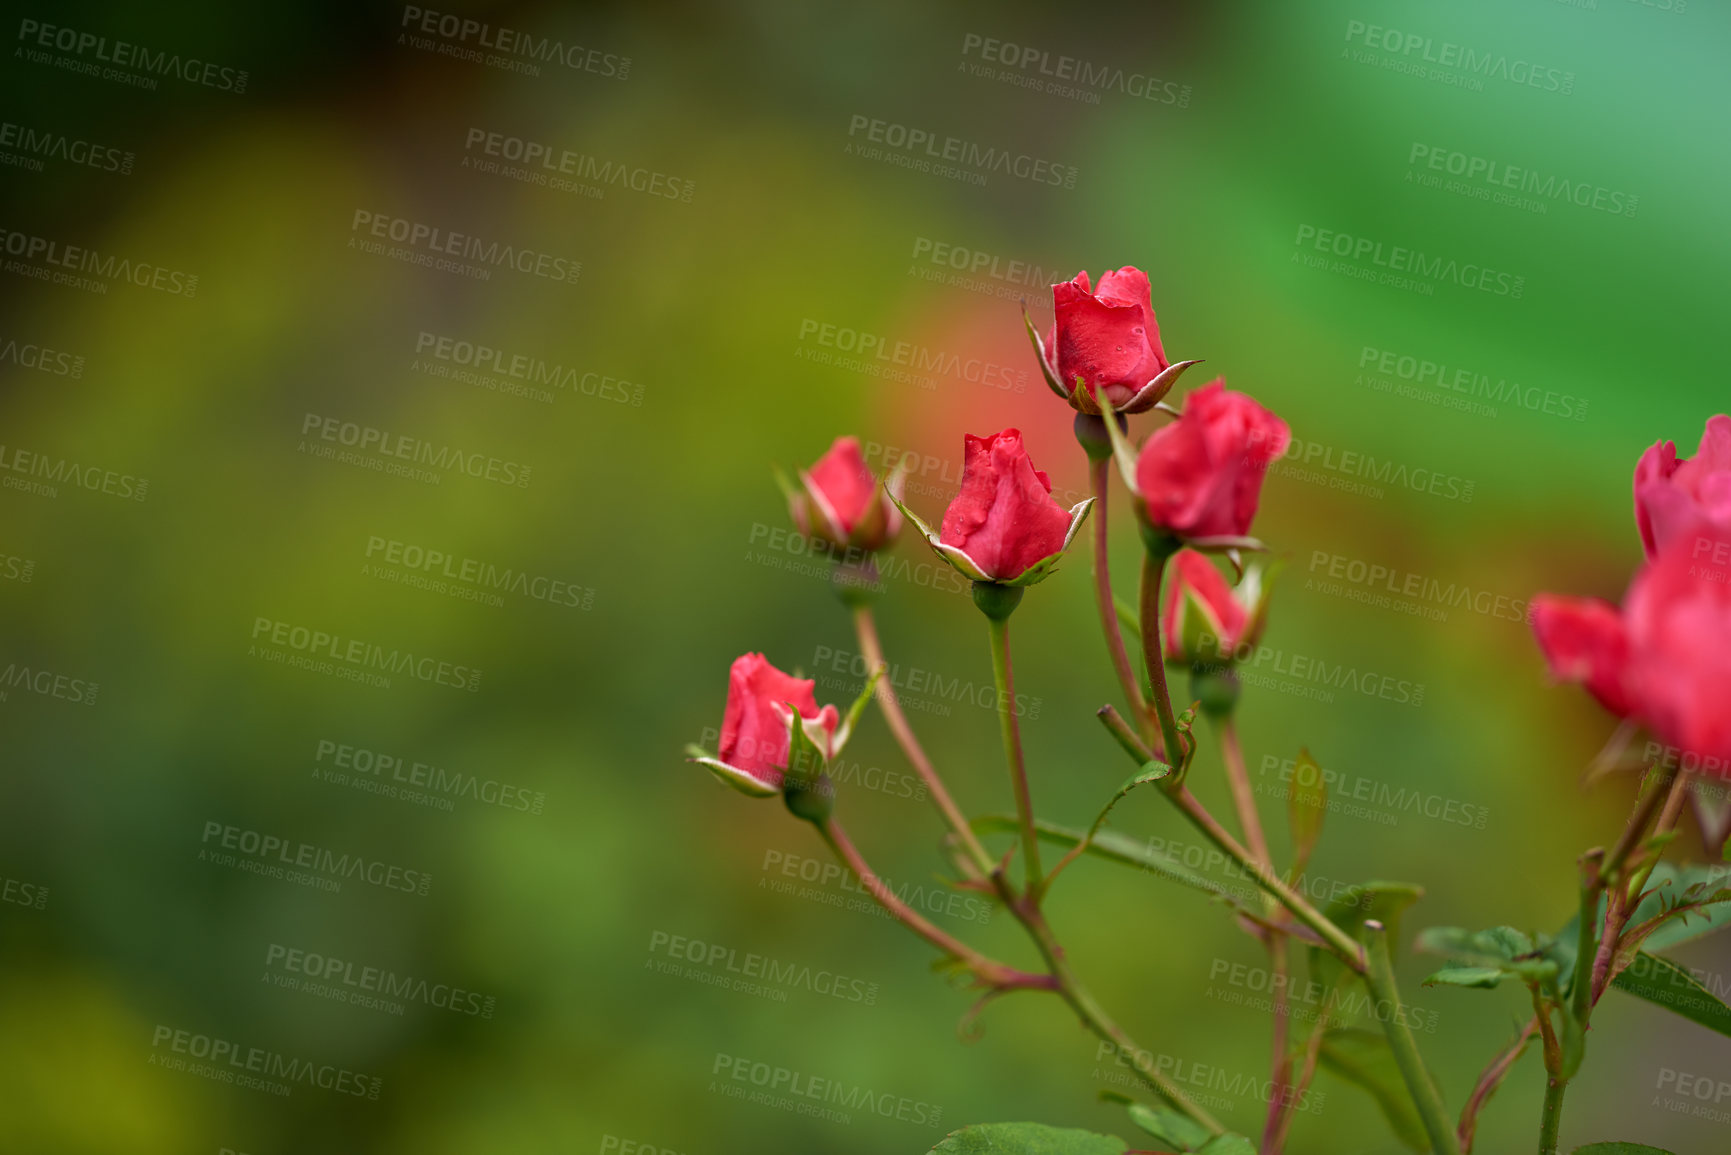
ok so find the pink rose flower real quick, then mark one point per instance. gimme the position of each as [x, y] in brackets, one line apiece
[1105, 339]
[1583, 641]
[1004, 521]
[1201, 476]
[1665, 659]
[1201, 619]
[755, 729]
[1672, 495]
[1678, 618]
[839, 501]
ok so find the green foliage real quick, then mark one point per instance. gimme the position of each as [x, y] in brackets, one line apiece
[1027, 1139]
[1501, 949]
[1484, 978]
[1364, 1059]
[1306, 805]
[1663, 983]
[1384, 901]
[1619, 1149]
[1174, 1130]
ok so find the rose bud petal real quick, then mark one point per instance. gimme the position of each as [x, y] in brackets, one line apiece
[1584, 641]
[1105, 338]
[1202, 621]
[1004, 521]
[838, 500]
[1672, 495]
[1678, 620]
[1201, 476]
[756, 726]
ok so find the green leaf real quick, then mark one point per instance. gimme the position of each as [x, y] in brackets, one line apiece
[1484, 978]
[1306, 804]
[1364, 1058]
[1619, 1149]
[1498, 947]
[1663, 983]
[1227, 1145]
[1168, 1126]
[1027, 1139]
[1376, 899]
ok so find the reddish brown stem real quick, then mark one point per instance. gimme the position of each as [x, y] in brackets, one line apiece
[1490, 1080]
[989, 972]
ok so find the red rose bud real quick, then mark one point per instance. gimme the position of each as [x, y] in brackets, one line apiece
[1106, 339]
[1004, 525]
[1583, 641]
[1201, 476]
[756, 729]
[1678, 619]
[1671, 495]
[1203, 621]
[838, 500]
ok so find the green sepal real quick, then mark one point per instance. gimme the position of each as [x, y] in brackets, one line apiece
[1125, 457]
[1046, 566]
[1047, 369]
[731, 775]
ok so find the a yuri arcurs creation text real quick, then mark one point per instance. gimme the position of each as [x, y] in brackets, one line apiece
[1661, 662]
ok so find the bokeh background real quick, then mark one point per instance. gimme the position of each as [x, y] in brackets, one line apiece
[691, 353]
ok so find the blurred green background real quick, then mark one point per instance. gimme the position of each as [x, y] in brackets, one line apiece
[691, 353]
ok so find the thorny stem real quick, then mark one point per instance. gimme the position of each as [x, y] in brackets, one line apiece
[989, 971]
[1243, 798]
[1270, 882]
[1012, 731]
[1619, 876]
[1379, 977]
[1667, 822]
[1649, 802]
[1061, 978]
[1336, 939]
[1091, 1013]
[1098, 473]
[872, 651]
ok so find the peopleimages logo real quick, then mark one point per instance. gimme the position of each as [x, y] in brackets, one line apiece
[367, 986]
[269, 854]
[1400, 264]
[28, 355]
[430, 242]
[133, 63]
[503, 47]
[361, 657]
[225, 1061]
[35, 145]
[1454, 62]
[966, 160]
